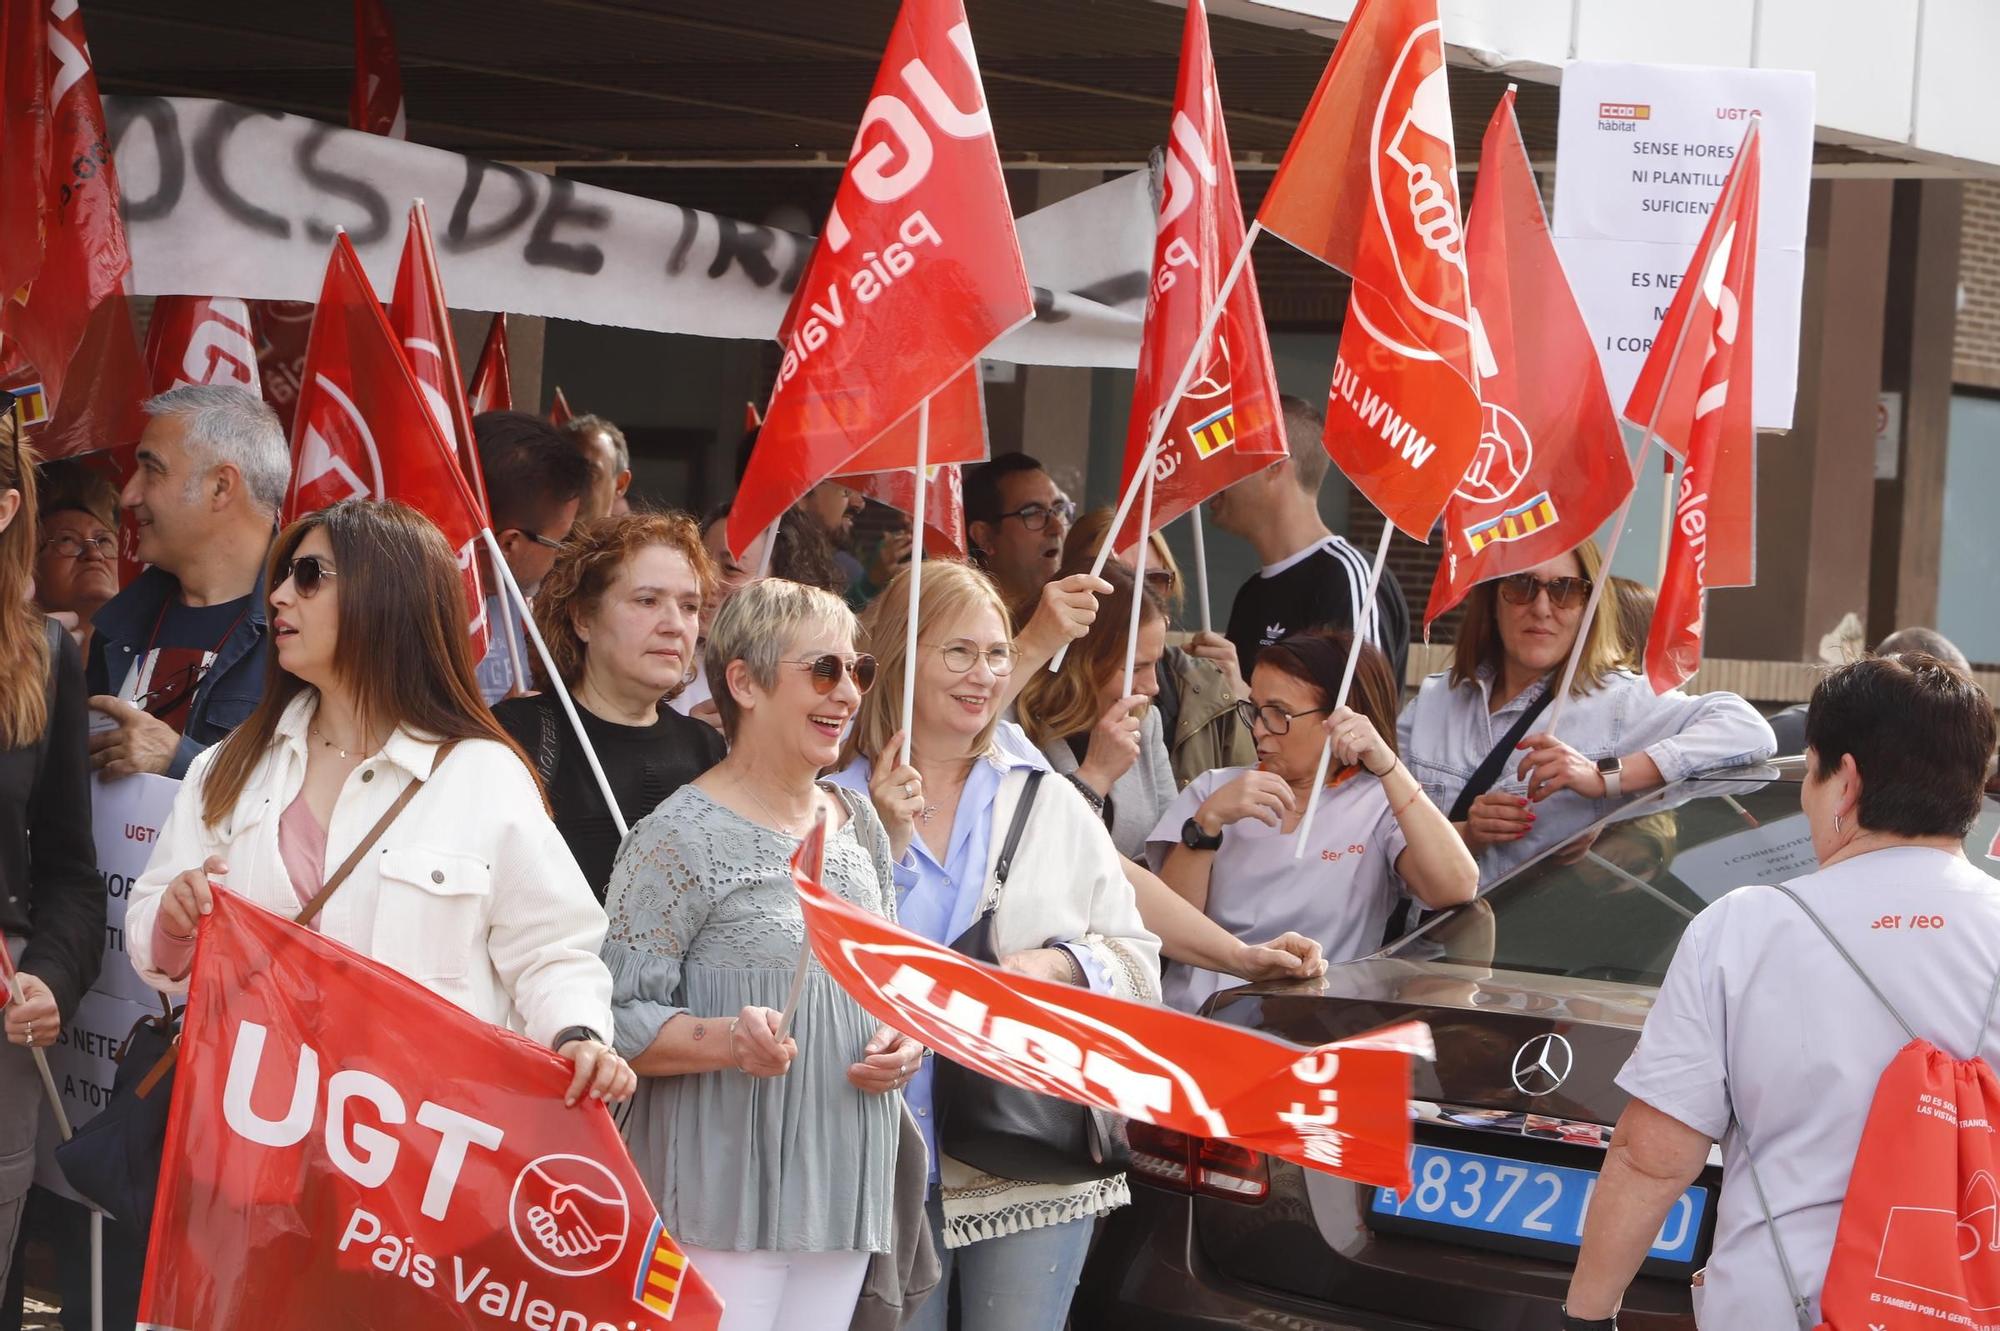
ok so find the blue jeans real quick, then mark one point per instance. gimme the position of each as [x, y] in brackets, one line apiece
[1020, 1282]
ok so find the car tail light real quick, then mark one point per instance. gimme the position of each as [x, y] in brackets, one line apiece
[1180, 1163]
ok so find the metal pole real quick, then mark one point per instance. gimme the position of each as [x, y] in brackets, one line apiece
[1200, 569]
[556, 684]
[1346, 685]
[1166, 415]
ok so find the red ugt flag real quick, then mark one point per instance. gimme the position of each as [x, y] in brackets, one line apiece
[917, 271]
[24, 141]
[493, 378]
[1705, 411]
[1370, 186]
[1342, 1108]
[200, 340]
[1227, 425]
[346, 1149]
[375, 106]
[364, 429]
[957, 436]
[1551, 465]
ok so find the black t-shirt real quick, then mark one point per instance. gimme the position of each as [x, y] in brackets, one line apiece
[162, 681]
[1316, 592]
[644, 765]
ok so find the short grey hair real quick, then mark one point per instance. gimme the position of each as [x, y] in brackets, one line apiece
[1304, 424]
[757, 626]
[579, 428]
[235, 426]
[1926, 640]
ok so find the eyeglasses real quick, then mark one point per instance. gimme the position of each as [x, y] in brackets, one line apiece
[961, 655]
[1276, 719]
[1161, 580]
[307, 573]
[828, 669]
[540, 539]
[71, 546]
[1036, 516]
[1564, 593]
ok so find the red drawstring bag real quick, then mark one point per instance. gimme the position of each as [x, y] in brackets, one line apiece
[1918, 1245]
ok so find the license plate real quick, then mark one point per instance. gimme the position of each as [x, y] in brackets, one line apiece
[1520, 1205]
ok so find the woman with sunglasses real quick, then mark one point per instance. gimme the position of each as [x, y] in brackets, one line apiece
[1534, 790]
[1106, 743]
[772, 1156]
[469, 890]
[619, 611]
[1227, 844]
[1066, 914]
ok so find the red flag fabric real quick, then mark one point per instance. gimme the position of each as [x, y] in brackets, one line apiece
[375, 106]
[25, 142]
[917, 271]
[1370, 185]
[281, 328]
[559, 412]
[944, 504]
[957, 431]
[752, 418]
[321, 1155]
[957, 436]
[1228, 424]
[1551, 466]
[493, 378]
[422, 324]
[200, 340]
[1703, 400]
[364, 428]
[1340, 1107]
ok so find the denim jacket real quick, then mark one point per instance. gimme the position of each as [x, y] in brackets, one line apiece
[226, 694]
[1446, 732]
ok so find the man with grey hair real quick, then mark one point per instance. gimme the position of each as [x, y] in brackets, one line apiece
[603, 446]
[177, 658]
[1789, 725]
[1311, 579]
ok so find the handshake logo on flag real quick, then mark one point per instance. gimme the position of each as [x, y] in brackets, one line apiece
[569, 1215]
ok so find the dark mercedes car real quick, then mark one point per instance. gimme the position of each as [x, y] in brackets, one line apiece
[1536, 993]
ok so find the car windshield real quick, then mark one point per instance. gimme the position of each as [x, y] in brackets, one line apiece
[1616, 909]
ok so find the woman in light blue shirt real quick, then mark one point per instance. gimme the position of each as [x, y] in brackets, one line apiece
[1618, 736]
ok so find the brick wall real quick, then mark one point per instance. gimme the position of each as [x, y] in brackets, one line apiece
[1976, 358]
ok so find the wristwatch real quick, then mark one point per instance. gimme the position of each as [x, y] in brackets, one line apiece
[1572, 1322]
[1612, 769]
[1195, 839]
[569, 1033]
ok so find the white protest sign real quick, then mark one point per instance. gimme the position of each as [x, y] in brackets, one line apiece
[1641, 155]
[125, 820]
[225, 200]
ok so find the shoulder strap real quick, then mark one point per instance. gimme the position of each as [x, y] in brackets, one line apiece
[1004, 865]
[347, 866]
[1848, 957]
[1495, 761]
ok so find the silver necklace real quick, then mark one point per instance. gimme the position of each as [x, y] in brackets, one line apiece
[783, 826]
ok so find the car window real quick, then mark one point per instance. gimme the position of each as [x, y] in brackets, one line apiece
[1617, 910]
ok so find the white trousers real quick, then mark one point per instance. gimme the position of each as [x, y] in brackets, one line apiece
[783, 1291]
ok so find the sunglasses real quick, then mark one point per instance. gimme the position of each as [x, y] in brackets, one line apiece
[1276, 719]
[307, 573]
[827, 671]
[1564, 593]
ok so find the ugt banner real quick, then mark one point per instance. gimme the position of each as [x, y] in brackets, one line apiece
[347, 1150]
[1341, 1108]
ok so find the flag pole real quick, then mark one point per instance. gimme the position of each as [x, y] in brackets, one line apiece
[556, 685]
[916, 576]
[1361, 607]
[1160, 423]
[64, 1131]
[1666, 518]
[1645, 445]
[1200, 568]
[1138, 579]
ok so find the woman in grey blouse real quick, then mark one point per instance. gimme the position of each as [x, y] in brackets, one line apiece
[772, 1161]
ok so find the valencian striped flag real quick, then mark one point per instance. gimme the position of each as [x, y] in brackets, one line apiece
[1551, 465]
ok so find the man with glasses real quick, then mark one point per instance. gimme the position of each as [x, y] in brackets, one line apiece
[177, 659]
[1311, 578]
[1016, 518]
[535, 483]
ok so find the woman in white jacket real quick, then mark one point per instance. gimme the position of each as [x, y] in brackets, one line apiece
[1066, 913]
[470, 891]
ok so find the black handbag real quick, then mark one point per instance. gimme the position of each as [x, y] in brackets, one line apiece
[113, 1161]
[1003, 1130]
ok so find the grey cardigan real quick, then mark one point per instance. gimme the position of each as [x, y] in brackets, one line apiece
[1138, 798]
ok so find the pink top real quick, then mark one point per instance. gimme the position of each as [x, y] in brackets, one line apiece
[302, 846]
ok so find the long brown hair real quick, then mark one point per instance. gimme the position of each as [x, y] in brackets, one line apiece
[1056, 706]
[24, 646]
[1479, 632]
[402, 647]
[591, 557]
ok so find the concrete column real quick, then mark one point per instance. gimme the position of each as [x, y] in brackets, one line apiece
[1917, 362]
[1815, 484]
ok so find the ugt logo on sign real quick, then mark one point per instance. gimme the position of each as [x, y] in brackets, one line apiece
[569, 1215]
